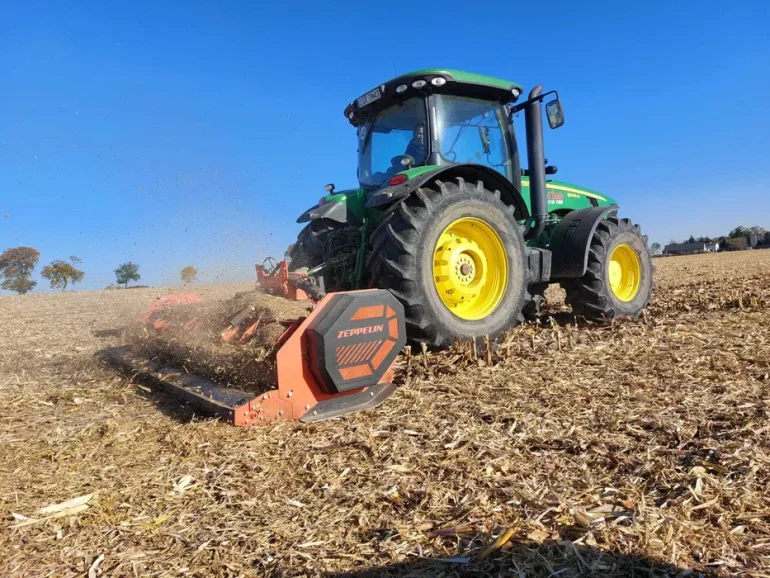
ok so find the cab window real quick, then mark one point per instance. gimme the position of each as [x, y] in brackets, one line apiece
[473, 131]
[384, 140]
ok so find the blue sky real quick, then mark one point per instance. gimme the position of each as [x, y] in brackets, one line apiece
[195, 133]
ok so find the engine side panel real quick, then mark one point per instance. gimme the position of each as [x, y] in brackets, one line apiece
[564, 197]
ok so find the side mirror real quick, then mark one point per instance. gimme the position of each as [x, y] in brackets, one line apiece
[329, 188]
[555, 113]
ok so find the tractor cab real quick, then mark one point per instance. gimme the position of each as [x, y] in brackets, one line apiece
[435, 118]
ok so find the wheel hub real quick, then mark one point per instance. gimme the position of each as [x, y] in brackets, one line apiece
[460, 267]
[624, 273]
[470, 268]
[615, 273]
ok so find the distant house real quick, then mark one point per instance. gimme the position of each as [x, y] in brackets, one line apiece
[682, 248]
[712, 247]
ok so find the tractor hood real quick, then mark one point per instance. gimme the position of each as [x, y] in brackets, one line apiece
[335, 211]
[338, 206]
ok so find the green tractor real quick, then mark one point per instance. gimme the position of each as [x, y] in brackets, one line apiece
[446, 218]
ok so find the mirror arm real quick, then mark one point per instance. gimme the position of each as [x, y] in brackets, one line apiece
[539, 98]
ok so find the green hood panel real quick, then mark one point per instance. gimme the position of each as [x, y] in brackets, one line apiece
[417, 171]
[342, 196]
[351, 203]
[567, 196]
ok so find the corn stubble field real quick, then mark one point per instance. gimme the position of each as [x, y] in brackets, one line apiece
[632, 449]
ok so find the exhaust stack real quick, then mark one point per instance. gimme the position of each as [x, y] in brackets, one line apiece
[533, 117]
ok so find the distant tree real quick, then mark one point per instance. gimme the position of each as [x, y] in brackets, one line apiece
[16, 266]
[75, 260]
[737, 243]
[703, 240]
[691, 239]
[60, 273]
[126, 273]
[20, 285]
[767, 238]
[656, 249]
[758, 231]
[738, 232]
[673, 242]
[189, 275]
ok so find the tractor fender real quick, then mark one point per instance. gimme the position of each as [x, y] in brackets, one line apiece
[336, 211]
[469, 172]
[571, 241]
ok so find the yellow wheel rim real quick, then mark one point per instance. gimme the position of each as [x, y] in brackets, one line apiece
[625, 272]
[470, 268]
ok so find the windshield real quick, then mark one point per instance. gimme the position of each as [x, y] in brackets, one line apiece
[474, 131]
[383, 141]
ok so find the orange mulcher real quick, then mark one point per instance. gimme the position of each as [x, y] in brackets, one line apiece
[337, 360]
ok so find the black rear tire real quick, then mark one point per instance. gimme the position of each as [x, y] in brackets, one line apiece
[308, 250]
[591, 296]
[402, 260]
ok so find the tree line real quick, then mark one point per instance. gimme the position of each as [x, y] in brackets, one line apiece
[18, 264]
[735, 240]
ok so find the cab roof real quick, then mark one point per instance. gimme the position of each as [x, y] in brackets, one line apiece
[451, 81]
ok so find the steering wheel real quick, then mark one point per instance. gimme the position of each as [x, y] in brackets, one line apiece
[270, 264]
[398, 161]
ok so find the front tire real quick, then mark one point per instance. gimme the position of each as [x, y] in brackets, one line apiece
[308, 250]
[619, 279]
[454, 255]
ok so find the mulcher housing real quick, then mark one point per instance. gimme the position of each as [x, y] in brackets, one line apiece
[335, 361]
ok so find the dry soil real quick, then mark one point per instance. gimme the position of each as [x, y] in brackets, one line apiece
[636, 448]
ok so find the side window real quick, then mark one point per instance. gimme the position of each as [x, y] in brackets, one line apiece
[394, 132]
[473, 131]
[386, 145]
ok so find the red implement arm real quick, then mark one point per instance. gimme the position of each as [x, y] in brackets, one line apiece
[280, 282]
